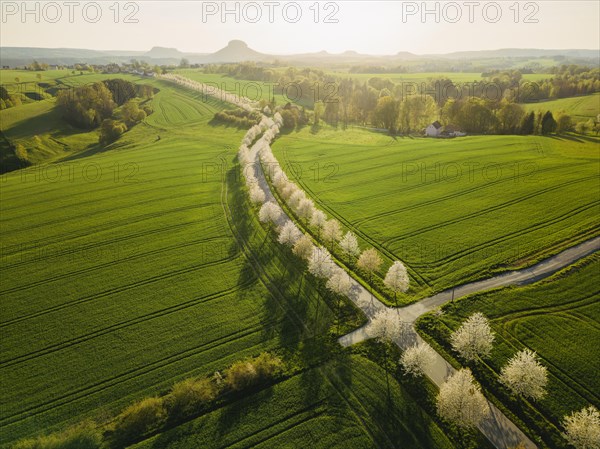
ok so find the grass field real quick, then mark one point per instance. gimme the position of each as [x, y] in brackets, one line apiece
[579, 108]
[423, 77]
[123, 274]
[339, 404]
[130, 267]
[254, 90]
[558, 318]
[38, 125]
[454, 210]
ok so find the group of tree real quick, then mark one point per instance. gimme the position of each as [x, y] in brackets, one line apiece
[461, 402]
[238, 117]
[471, 107]
[95, 105]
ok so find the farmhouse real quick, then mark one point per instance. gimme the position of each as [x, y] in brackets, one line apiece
[434, 129]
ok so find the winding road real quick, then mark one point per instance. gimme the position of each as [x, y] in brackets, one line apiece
[499, 429]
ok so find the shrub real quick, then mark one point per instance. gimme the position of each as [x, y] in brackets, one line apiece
[189, 395]
[139, 419]
[247, 373]
[111, 130]
[82, 436]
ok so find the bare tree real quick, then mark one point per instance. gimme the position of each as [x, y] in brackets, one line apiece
[525, 375]
[460, 400]
[369, 262]
[396, 279]
[349, 245]
[582, 428]
[417, 359]
[332, 232]
[474, 338]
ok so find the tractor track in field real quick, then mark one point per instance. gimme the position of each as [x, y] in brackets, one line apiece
[117, 222]
[92, 268]
[523, 313]
[511, 235]
[312, 412]
[97, 387]
[115, 290]
[362, 235]
[89, 246]
[562, 375]
[107, 199]
[267, 280]
[163, 170]
[117, 326]
[453, 221]
[356, 413]
[461, 193]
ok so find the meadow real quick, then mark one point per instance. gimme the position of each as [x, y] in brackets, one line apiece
[129, 267]
[453, 210]
[579, 108]
[558, 318]
[254, 90]
[37, 124]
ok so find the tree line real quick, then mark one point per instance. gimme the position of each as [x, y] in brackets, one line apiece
[488, 107]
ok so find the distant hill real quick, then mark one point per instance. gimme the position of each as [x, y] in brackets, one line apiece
[235, 51]
[238, 51]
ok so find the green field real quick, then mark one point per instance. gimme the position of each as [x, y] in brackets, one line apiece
[453, 210]
[38, 125]
[125, 269]
[254, 90]
[579, 108]
[423, 77]
[339, 404]
[558, 318]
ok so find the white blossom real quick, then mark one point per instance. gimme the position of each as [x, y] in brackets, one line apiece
[582, 428]
[524, 375]
[349, 245]
[473, 338]
[460, 400]
[417, 359]
[320, 263]
[289, 234]
[269, 212]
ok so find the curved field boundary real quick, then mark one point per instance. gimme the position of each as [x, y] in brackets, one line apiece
[499, 430]
[390, 255]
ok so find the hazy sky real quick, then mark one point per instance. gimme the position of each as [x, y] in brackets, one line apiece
[365, 26]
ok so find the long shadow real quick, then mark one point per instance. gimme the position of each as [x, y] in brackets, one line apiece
[289, 303]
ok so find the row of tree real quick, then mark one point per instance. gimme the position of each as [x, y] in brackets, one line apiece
[480, 107]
